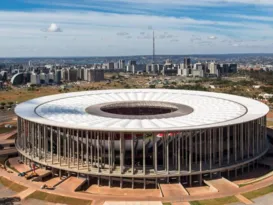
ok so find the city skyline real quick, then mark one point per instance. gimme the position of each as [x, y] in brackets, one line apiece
[32, 28]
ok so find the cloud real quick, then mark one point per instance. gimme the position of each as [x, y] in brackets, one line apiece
[144, 37]
[122, 34]
[212, 37]
[53, 28]
[20, 28]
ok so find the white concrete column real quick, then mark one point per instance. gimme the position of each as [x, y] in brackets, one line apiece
[39, 141]
[210, 149]
[45, 142]
[219, 146]
[91, 148]
[242, 140]
[179, 153]
[200, 151]
[67, 147]
[190, 153]
[109, 155]
[98, 150]
[155, 152]
[167, 153]
[183, 138]
[59, 146]
[144, 154]
[187, 147]
[87, 149]
[196, 147]
[33, 140]
[205, 146]
[51, 143]
[235, 142]
[132, 153]
[78, 149]
[228, 145]
[19, 131]
[82, 148]
[121, 151]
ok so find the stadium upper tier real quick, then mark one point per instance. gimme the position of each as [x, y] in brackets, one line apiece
[141, 110]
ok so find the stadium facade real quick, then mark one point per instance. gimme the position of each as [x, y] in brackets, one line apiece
[143, 137]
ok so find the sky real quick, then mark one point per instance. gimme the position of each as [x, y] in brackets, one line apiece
[58, 28]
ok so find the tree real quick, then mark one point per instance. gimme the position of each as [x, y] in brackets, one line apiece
[151, 86]
[270, 100]
[127, 86]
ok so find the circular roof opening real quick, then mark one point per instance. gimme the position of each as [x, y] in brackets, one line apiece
[139, 110]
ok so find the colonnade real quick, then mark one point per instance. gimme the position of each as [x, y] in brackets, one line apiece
[151, 156]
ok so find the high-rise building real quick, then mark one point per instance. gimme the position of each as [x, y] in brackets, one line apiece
[3, 75]
[72, 75]
[131, 62]
[214, 68]
[233, 68]
[187, 62]
[80, 73]
[64, 74]
[44, 78]
[35, 79]
[95, 75]
[111, 66]
[121, 64]
[116, 65]
[198, 66]
[51, 77]
[58, 76]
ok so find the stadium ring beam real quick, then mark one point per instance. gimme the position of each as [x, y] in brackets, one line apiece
[142, 137]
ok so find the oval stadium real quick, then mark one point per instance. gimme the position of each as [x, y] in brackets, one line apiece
[142, 137]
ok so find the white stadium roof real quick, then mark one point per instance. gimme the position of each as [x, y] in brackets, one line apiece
[209, 110]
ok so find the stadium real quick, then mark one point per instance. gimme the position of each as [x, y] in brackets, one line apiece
[142, 137]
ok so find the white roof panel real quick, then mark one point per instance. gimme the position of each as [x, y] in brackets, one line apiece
[209, 110]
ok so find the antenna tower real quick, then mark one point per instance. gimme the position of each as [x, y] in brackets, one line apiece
[153, 46]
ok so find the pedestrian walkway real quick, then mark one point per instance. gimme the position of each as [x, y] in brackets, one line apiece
[116, 191]
[221, 185]
[16, 165]
[99, 198]
[243, 199]
[72, 184]
[174, 190]
[132, 203]
[5, 136]
[180, 203]
[25, 193]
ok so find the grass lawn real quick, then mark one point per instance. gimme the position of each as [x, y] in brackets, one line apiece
[58, 199]
[259, 192]
[220, 201]
[6, 130]
[269, 123]
[167, 203]
[11, 185]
